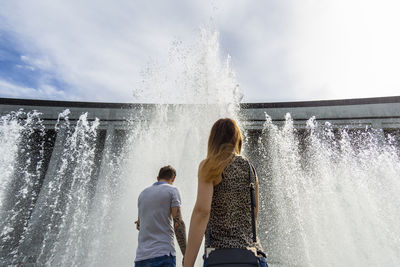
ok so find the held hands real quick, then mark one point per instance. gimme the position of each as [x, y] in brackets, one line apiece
[137, 225]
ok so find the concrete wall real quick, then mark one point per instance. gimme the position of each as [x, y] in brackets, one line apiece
[382, 112]
[114, 120]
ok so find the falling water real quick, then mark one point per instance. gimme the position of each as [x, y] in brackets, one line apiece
[86, 219]
[68, 195]
[10, 132]
[35, 209]
[173, 134]
[331, 196]
[23, 139]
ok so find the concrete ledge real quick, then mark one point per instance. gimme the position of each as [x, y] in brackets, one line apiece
[316, 103]
[376, 112]
[322, 103]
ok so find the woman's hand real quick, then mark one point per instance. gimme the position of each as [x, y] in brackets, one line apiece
[137, 224]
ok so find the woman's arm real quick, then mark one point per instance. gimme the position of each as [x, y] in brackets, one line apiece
[199, 220]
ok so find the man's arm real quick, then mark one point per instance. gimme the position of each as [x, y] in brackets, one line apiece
[179, 227]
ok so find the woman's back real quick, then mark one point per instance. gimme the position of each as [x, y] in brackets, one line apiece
[230, 223]
[224, 211]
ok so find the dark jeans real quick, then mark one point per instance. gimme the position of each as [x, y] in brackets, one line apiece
[262, 262]
[163, 261]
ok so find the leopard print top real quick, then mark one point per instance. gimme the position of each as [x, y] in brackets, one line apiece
[229, 225]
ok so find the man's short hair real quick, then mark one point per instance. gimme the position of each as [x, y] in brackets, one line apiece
[167, 173]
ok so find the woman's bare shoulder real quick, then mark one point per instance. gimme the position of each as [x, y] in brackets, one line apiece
[201, 164]
[201, 171]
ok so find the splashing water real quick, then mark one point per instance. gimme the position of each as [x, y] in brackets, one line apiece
[328, 197]
[63, 241]
[193, 74]
[10, 133]
[332, 196]
[174, 134]
[23, 135]
[80, 220]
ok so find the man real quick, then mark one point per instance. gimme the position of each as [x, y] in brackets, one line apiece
[158, 206]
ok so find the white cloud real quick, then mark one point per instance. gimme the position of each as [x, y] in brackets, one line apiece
[281, 50]
[291, 50]
[257, 37]
[98, 48]
[33, 63]
[10, 90]
[346, 49]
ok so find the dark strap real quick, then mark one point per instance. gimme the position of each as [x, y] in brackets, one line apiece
[253, 202]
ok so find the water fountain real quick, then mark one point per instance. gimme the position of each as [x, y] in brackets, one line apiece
[331, 195]
[68, 194]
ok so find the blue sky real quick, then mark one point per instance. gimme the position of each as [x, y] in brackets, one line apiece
[281, 50]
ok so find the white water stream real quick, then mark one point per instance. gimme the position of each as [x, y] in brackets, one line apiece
[332, 196]
[329, 198]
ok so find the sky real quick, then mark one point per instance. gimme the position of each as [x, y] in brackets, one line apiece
[281, 50]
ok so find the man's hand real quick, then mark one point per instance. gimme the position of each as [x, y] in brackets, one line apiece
[137, 224]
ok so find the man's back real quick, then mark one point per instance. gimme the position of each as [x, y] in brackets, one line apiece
[156, 235]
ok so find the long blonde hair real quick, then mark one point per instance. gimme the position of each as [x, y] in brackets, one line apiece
[224, 141]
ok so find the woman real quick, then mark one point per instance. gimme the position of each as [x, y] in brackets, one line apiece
[223, 207]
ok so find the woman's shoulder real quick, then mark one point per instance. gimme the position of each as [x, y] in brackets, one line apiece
[201, 164]
[202, 172]
[240, 159]
[238, 162]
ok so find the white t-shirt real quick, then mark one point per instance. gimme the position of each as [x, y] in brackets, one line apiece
[156, 234]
